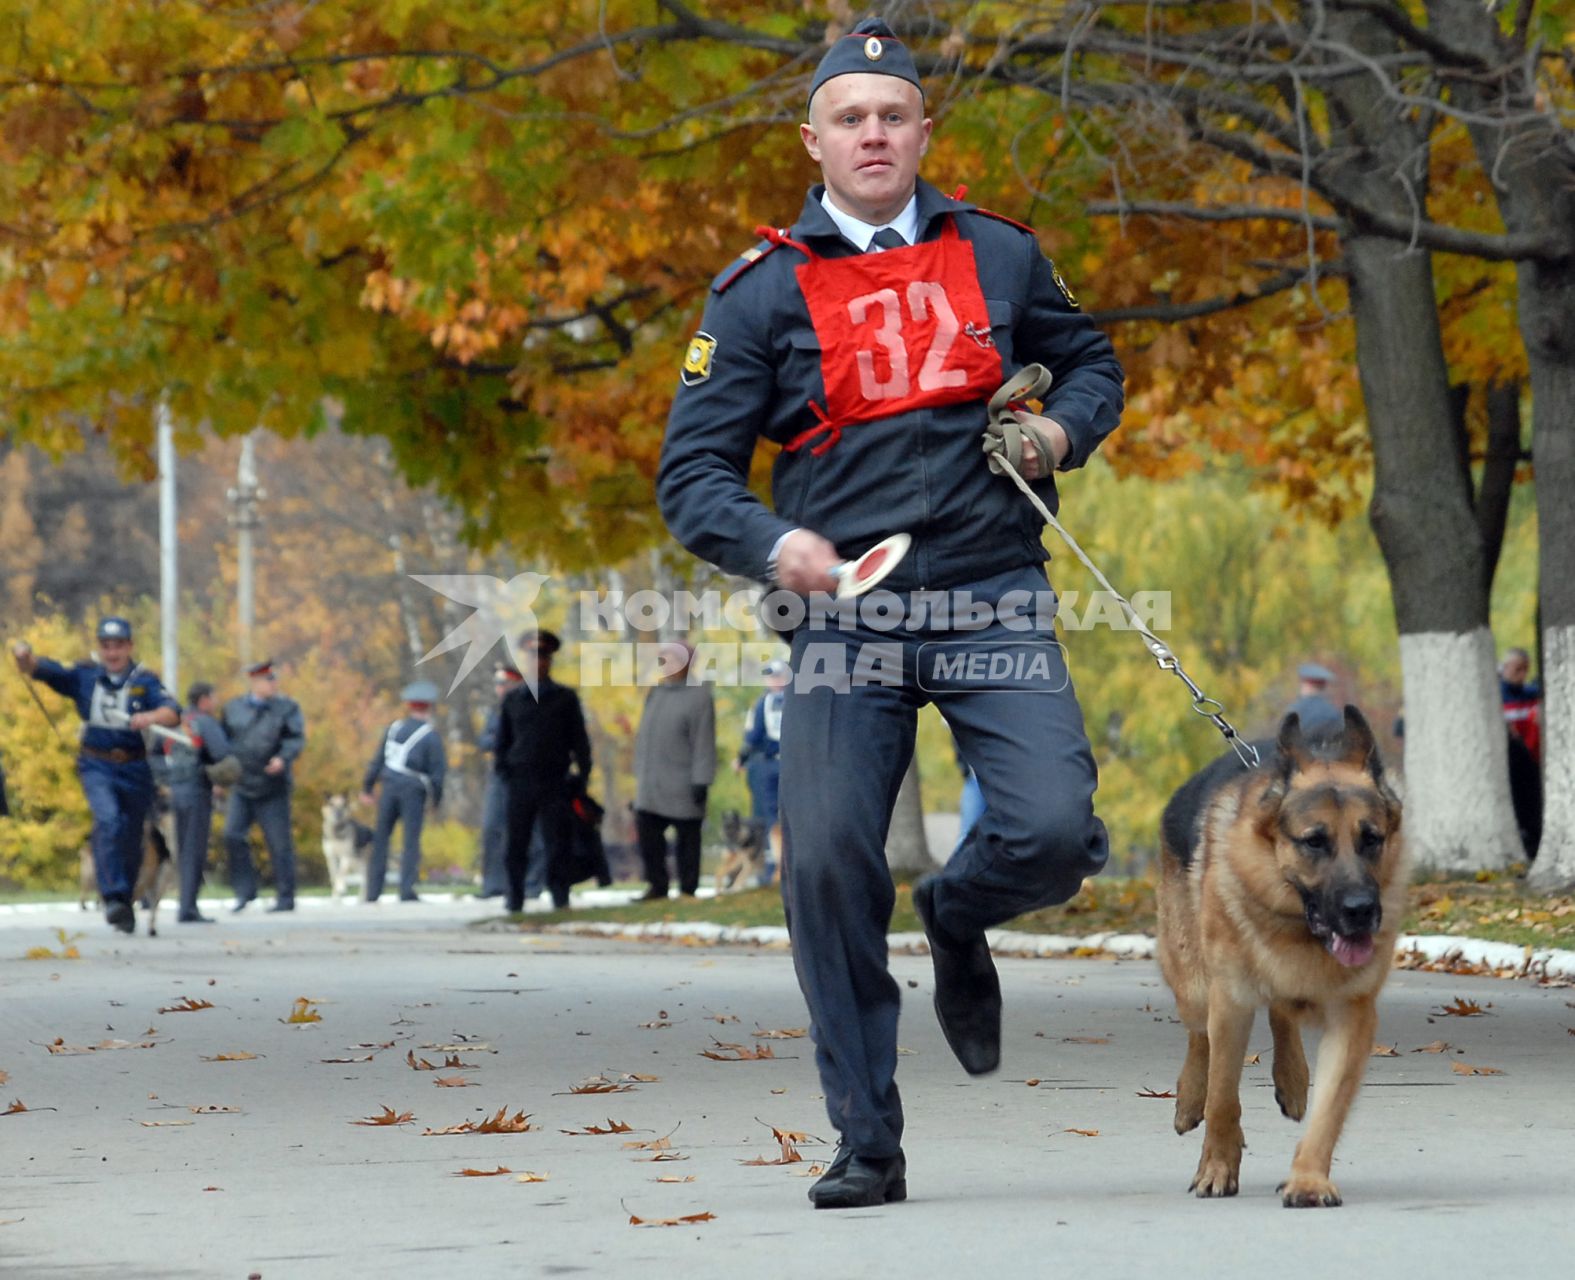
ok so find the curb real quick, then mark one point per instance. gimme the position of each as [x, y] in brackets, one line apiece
[1438, 953]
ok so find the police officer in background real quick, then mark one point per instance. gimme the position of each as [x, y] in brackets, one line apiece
[1319, 717]
[411, 764]
[118, 699]
[268, 733]
[867, 340]
[191, 793]
[542, 749]
[495, 796]
[759, 755]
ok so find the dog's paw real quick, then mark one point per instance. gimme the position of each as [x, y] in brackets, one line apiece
[1292, 1098]
[1216, 1176]
[1308, 1191]
[1188, 1117]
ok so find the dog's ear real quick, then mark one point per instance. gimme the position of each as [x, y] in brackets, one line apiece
[1358, 745]
[1292, 745]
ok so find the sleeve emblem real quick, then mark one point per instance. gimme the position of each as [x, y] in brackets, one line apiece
[697, 359]
[1066, 293]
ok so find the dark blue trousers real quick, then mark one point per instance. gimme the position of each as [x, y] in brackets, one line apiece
[495, 835]
[119, 796]
[764, 775]
[272, 814]
[193, 825]
[844, 752]
[405, 803]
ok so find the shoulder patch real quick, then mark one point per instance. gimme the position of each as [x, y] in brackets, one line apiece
[1001, 217]
[697, 359]
[746, 260]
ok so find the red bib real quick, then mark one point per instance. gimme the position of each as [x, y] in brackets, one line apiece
[900, 330]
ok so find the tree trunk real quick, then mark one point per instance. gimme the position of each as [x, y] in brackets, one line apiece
[1526, 154]
[1458, 811]
[907, 850]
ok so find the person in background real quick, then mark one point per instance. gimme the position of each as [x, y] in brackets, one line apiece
[191, 793]
[118, 699]
[1319, 717]
[760, 756]
[495, 796]
[411, 765]
[267, 733]
[674, 764]
[1522, 698]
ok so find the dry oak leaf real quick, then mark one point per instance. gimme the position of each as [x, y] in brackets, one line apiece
[786, 1033]
[59, 1046]
[722, 1017]
[163, 1124]
[653, 1026]
[460, 1046]
[1252, 1060]
[661, 1157]
[368, 1058]
[388, 1116]
[454, 1082]
[452, 1061]
[1032, 1084]
[1384, 1051]
[671, 1222]
[483, 1173]
[1463, 1008]
[809, 1171]
[1087, 1133]
[369, 1044]
[418, 1064]
[16, 1108]
[664, 1143]
[186, 1004]
[1466, 1069]
[1437, 1046]
[1085, 1039]
[241, 1056]
[528, 1176]
[673, 1177]
[1156, 1093]
[634, 1077]
[596, 1084]
[502, 1122]
[595, 1131]
[302, 1011]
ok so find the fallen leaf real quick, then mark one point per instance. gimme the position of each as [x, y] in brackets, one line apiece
[721, 1017]
[16, 1108]
[671, 1222]
[528, 1176]
[502, 1122]
[1466, 1069]
[454, 1082]
[303, 1011]
[1032, 1084]
[388, 1116]
[483, 1173]
[163, 1124]
[1463, 1008]
[673, 1177]
[1156, 1093]
[1437, 1046]
[1087, 1133]
[461, 1046]
[653, 1026]
[634, 1077]
[596, 1084]
[59, 1046]
[1252, 1060]
[1085, 1039]
[663, 1143]
[368, 1058]
[213, 1109]
[786, 1033]
[242, 1056]
[4, 1076]
[187, 1005]
[809, 1171]
[737, 1053]
[1384, 1051]
[662, 1156]
[369, 1044]
[418, 1064]
[595, 1131]
[452, 1061]
[213, 1188]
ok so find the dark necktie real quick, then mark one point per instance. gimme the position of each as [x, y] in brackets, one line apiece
[889, 238]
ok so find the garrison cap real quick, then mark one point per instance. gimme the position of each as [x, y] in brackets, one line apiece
[114, 628]
[1312, 671]
[870, 47]
[263, 668]
[545, 641]
[506, 673]
[422, 693]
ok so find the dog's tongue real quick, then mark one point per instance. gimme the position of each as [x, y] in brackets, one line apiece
[1352, 951]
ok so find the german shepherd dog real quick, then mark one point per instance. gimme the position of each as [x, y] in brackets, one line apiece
[1281, 886]
[747, 846]
[346, 844]
[153, 877]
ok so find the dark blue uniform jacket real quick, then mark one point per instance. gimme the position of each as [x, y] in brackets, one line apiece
[923, 472]
[104, 730]
[426, 759]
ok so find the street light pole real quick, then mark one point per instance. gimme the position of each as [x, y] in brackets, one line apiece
[169, 575]
[244, 499]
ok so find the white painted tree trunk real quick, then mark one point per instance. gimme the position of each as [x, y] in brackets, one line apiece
[1554, 869]
[907, 850]
[1458, 815]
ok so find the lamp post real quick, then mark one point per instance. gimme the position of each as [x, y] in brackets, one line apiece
[244, 500]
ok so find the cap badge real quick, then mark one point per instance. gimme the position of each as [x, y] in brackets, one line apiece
[873, 49]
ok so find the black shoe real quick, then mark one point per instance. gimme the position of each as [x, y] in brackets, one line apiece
[861, 1182]
[653, 895]
[490, 893]
[240, 905]
[409, 897]
[193, 917]
[118, 912]
[967, 989]
[282, 905]
[514, 908]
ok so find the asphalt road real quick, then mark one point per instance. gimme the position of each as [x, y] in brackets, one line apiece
[110, 1173]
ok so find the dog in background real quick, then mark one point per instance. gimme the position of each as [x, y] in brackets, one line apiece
[747, 852]
[1282, 885]
[346, 844]
[153, 877]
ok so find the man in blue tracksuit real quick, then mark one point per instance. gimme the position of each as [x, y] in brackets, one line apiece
[118, 699]
[866, 341]
[411, 765]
